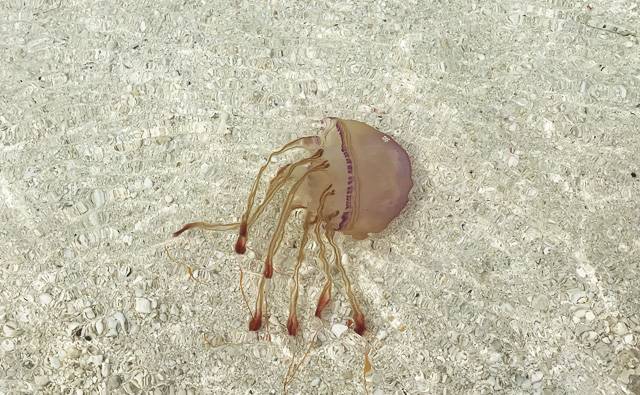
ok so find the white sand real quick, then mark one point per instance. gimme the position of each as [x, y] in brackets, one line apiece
[514, 268]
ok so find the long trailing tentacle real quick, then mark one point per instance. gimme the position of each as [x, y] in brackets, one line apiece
[325, 294]
[358, 316]
[274, 245]
[292, 322]
[205, 226]
[311, 219]
[283, 175]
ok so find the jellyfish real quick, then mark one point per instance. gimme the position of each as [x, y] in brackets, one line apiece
[355, 181]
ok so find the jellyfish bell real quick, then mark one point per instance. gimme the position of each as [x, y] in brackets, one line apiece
[371, 174]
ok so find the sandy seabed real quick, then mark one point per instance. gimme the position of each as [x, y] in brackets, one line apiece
[513, 269]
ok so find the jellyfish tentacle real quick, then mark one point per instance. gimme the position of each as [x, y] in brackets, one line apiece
[311, 219]
[325, 294]
[282, 176]
[256, 320]
[206, 226]
[292, 322]
[267, 272]
[358, 316]
[276, 239]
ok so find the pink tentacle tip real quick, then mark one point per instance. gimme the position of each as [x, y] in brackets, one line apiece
[241, 243]
[359, 326]
[323, 302]
[268, 268]
[256, 322]
[181, 230]
[292, 325]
